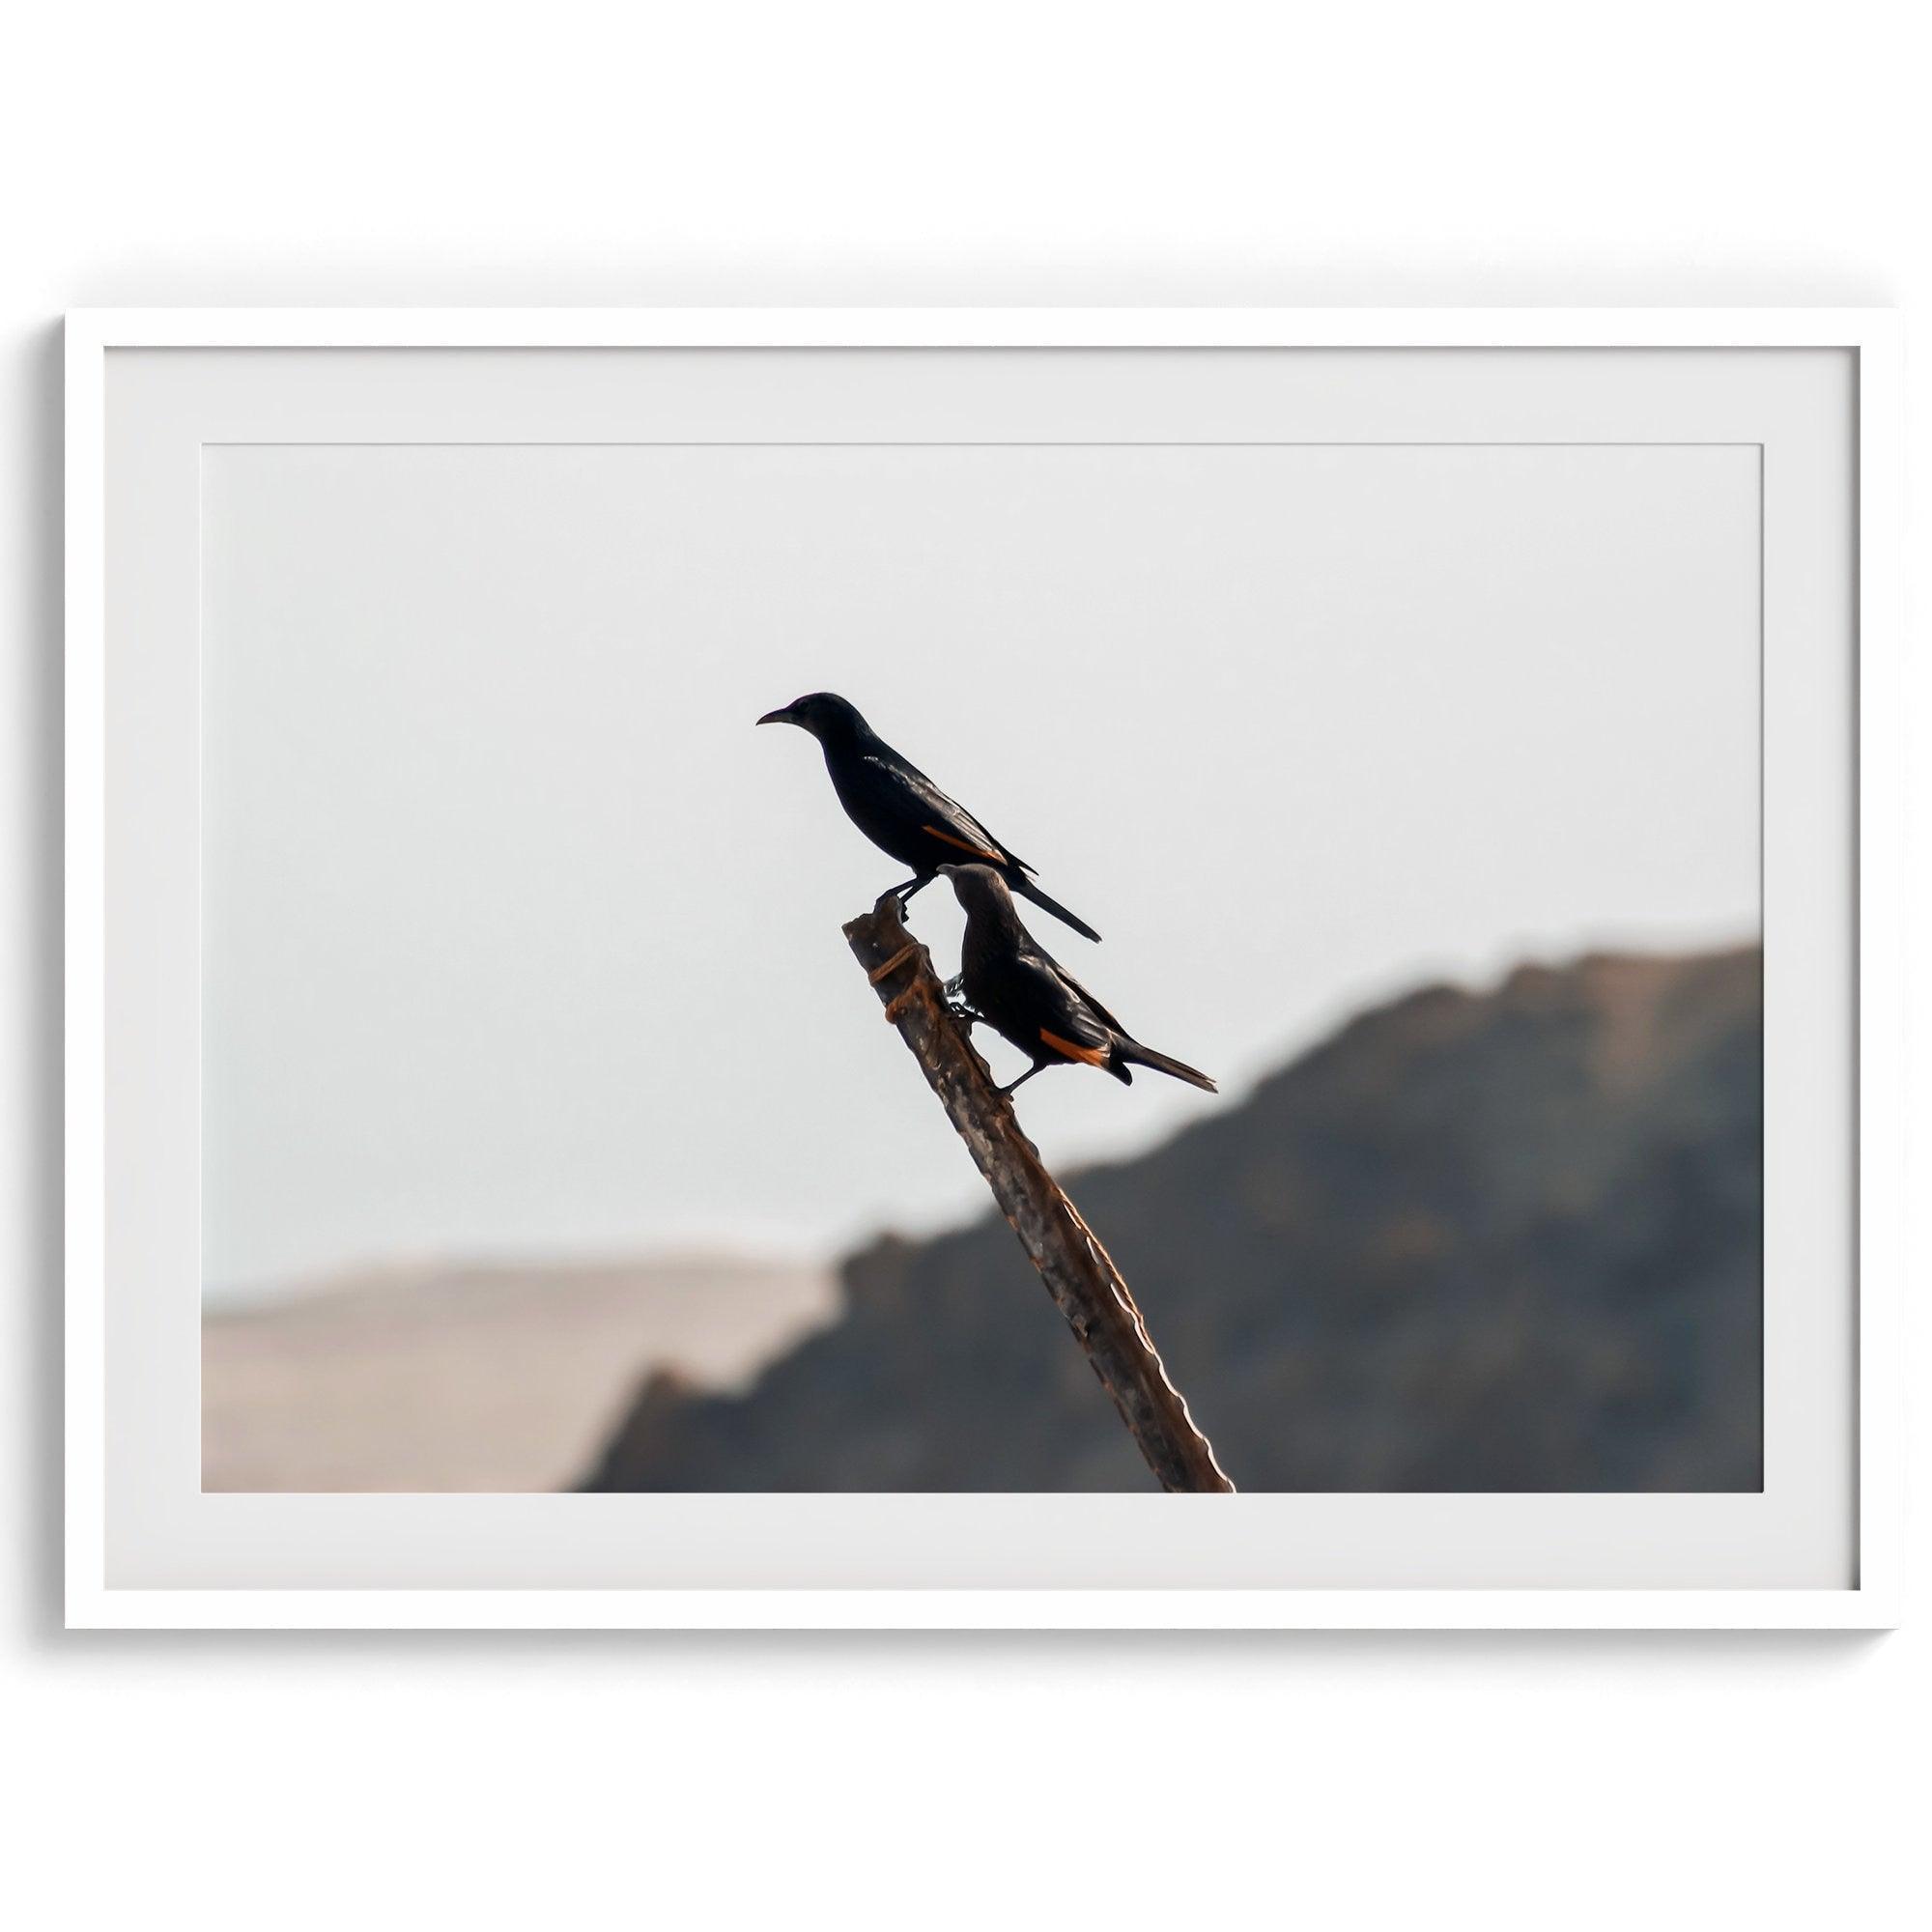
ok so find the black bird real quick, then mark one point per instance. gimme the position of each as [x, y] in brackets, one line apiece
[900, 808]
[1025, 995]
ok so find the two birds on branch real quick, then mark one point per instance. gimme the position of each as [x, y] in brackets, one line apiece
[1009, 980]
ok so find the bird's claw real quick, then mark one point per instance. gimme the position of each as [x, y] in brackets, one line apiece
[956, 1003]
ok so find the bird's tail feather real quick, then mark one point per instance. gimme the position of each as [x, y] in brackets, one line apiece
[1146, 1056]
[1019, 883]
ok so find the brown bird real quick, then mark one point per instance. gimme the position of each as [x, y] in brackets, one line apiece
[1026, 996]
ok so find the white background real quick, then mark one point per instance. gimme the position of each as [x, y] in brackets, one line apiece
[1481, 154]
[517, 938]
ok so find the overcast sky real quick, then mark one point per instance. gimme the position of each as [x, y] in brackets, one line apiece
[520, 940]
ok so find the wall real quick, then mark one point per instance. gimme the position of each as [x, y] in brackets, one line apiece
[625, 154]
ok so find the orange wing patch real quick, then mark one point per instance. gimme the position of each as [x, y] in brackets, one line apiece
[977, 851]
[1093, 1056]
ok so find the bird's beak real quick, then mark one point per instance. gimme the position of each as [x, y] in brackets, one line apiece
[948, 871]
[782, 716]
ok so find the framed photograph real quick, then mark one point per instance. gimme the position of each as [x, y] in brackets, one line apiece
[517, 760]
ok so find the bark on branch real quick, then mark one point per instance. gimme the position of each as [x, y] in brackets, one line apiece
[1079, 1274]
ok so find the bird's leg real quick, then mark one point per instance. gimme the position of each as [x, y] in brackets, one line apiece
[1013, 1087]
[904, 894]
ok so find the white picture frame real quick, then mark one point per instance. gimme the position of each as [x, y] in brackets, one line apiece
[98, 1598]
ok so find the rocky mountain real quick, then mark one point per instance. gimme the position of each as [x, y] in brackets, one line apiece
[1502, 1240]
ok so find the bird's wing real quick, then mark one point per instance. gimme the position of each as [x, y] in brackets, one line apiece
[949, 823]
[1091, 1023]
[1040, 1003]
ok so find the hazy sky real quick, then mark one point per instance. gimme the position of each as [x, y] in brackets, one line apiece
[520, 938]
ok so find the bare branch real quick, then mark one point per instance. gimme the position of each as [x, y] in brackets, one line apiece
[1079, 1274]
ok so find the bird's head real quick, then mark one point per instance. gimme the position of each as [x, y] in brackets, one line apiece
[823, 713]
[980, 889]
